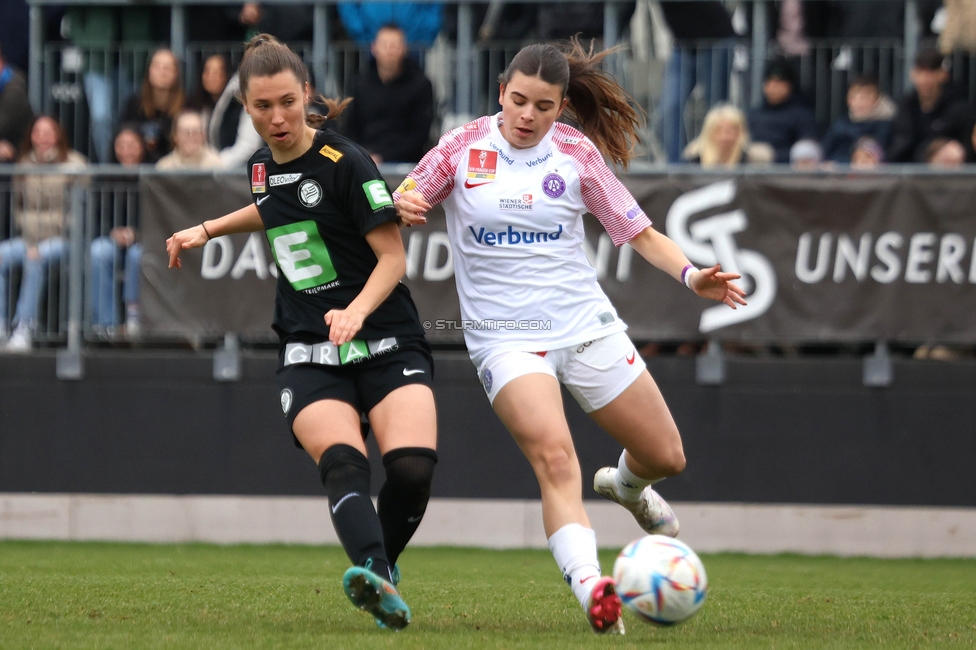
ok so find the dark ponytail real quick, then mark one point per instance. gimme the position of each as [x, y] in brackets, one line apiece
[265, 56]
[603, 110]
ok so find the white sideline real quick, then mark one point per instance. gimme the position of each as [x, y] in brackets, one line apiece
[880, 531]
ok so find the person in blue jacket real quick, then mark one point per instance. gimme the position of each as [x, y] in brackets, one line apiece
[420, 22]
[870, 113]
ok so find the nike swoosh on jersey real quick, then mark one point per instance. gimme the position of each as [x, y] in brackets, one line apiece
[407, 373]
[263, 199]
[470, 185]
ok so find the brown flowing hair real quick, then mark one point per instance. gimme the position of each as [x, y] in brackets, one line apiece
[603, 110]
[177, 96]
[266, 56]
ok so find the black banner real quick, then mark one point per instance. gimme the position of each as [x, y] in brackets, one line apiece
[824, 258]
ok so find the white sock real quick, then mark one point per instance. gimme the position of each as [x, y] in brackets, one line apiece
[574, 548]
[629, 485]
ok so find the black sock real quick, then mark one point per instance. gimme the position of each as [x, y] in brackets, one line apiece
[403, 498]
[345, 474]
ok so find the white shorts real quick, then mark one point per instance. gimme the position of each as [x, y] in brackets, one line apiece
[595, 372]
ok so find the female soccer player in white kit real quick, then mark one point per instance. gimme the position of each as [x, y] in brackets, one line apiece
[514, 187]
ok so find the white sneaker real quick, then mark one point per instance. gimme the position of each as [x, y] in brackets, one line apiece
[652, 513]
[133, 330]
[20, 341]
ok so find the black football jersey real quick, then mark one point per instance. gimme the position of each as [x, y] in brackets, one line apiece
[316, 211]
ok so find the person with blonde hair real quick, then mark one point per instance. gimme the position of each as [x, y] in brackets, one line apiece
[723, 141]
[190, 148]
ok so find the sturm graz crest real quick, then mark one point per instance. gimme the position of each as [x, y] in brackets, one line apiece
[309, 193]
[286, 399]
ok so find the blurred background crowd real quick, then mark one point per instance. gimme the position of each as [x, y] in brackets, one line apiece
[863, 83]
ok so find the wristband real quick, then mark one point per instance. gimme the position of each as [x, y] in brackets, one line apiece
[204, 226]
[686, 274]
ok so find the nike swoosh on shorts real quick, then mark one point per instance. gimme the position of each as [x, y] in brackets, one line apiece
[407, 373]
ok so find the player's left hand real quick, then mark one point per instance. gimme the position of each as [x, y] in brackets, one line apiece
[194, 237]
[412, 208]
[344, 324]
[715, 284]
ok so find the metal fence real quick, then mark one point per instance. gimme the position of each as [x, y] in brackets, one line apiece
[63, 242]
[91, 264]
[464, 70]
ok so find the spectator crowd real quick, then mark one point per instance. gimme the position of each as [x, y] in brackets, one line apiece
[166, 122]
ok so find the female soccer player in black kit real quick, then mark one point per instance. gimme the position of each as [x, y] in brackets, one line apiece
[351, 340]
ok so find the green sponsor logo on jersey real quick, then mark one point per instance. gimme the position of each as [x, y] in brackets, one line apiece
[377, 194]
[302, 255]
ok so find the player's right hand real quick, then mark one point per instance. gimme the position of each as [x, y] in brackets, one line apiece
[190, 238]
[412, 208]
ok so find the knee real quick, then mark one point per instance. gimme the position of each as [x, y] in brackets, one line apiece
[102, 250]
[556, 466]
[344, 469]
[663, 461]
[51, 250]
[670, 461]
[410, 469]
[133, 254]
[675, 462]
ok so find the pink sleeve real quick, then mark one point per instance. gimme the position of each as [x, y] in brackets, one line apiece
[434, 174]
[606, 197]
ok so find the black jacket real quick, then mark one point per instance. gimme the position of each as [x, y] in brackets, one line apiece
[912, 130]
[781, 126]
[15, 110]
[697, 20]
[392, 119]
[155, 130]
[838, 143]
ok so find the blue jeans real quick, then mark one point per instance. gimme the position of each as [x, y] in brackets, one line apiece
[13, 254]
[106, 257]
[688, 67]
[102, 92]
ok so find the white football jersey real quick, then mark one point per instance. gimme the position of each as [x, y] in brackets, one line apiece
[514, 217]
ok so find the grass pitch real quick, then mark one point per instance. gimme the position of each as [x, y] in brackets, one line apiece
[74, 595]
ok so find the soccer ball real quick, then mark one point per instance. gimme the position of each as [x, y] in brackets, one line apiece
[660, 579]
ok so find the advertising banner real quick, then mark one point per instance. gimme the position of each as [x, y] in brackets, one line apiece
[823, 258]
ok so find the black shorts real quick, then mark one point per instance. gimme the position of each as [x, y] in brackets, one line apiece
[363, 385]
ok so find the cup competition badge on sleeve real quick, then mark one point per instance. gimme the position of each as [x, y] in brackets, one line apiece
[258, 177]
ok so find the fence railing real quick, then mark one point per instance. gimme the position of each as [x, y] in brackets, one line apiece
[464, 70]
[85, 292]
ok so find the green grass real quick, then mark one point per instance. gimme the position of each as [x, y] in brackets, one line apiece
[74, 595]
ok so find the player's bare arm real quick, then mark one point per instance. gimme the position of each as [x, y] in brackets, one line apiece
[712, 283]
[246, 219]
[391, 264]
